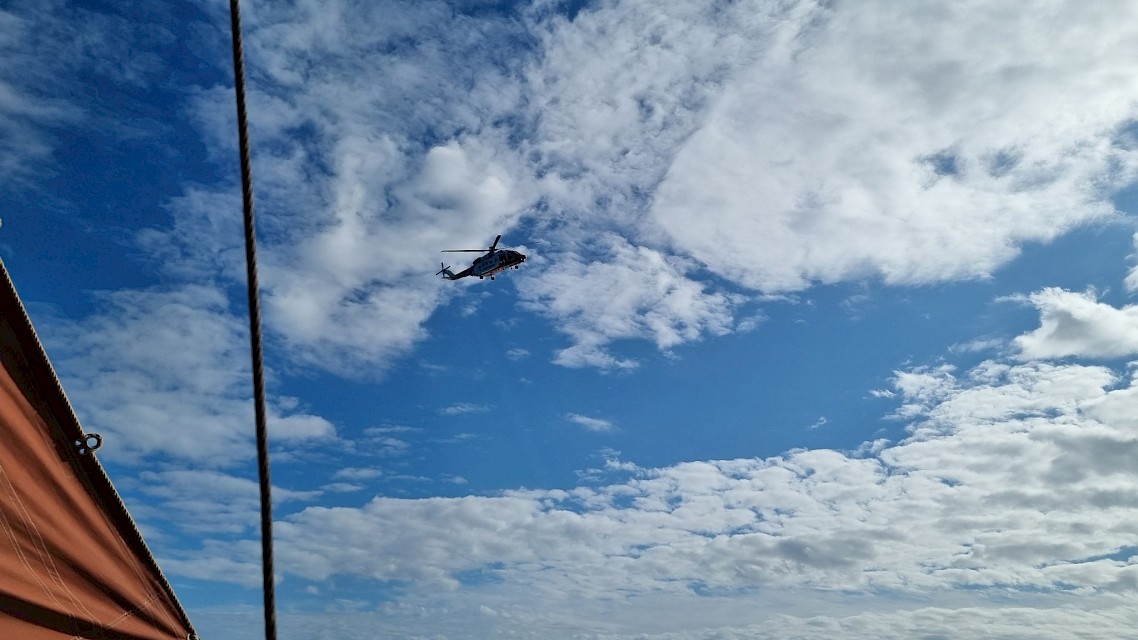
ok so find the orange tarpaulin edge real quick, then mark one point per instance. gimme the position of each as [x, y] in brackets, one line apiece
[72, 562]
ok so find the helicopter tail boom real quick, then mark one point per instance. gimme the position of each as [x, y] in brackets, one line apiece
[450, 275]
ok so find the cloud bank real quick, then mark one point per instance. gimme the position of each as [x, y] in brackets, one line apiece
[1012, 483]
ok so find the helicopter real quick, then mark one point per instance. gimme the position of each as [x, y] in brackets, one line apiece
[494, 261]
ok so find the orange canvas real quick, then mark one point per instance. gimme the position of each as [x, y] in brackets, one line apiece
[72, 563]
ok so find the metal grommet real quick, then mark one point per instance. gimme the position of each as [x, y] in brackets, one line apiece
[89, 443]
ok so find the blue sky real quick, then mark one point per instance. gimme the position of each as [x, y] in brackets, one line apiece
[826, 326]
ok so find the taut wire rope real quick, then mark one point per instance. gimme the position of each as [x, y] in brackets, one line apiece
[255, 327]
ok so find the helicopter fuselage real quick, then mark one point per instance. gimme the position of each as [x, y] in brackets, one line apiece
[499, 260]
[492, 262]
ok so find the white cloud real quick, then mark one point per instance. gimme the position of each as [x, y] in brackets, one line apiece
[590, 424]
[616, 91]
[369, 167]
[624, 292]
[206, 242]
[240, 561]
[977, 346]
[699, 619]
[341, 487]
[777, 144]
[1131, 281]
[1013, 481]
[1077, 324]
[365, 271]
[167, 372]
[387, 441]
[355, 473]
[206, 502]
[299, 426]
[890, 142]
[817, 147]
[783, 145]
[387, 446]
[463, 408]
[774, 143]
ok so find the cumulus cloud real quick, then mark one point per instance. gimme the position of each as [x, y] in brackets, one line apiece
[369, 167]
[888, 142]
[624, 292]
[1077, 324]
[1012, 480]
[684, 139]
[783, 145]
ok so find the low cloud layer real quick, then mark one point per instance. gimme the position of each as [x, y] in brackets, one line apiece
[1013, 480]
[893, 621]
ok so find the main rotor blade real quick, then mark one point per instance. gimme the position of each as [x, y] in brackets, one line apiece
[463, 251]
[495, 242]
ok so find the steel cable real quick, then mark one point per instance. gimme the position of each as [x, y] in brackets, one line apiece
[255, 327]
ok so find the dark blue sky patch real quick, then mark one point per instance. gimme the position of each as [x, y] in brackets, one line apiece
[943, 163]
[1123, 554]
[490, 574]
[1001, 162]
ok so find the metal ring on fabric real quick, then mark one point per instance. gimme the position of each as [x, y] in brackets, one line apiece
[89, 443]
